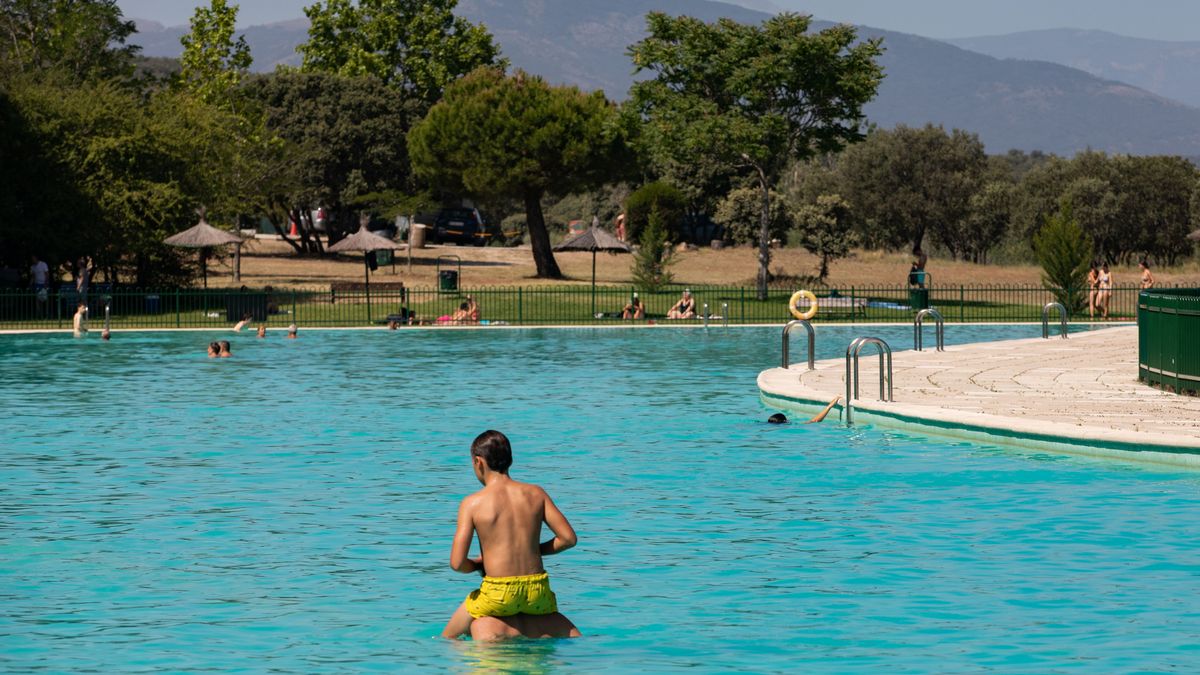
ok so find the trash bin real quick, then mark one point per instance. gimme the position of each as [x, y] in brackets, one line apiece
[918, 298]
[416, 235]
[448, 280]
[383, 257]
[152, 304]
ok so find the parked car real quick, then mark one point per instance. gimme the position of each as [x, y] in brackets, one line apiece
[460, 226]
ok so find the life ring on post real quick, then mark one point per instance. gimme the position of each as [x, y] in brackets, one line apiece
[812, 305]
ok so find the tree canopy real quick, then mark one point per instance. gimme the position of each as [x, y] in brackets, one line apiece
[81, 39]
[752, 98]
[213, 63]
[417, 46]
[516, 137]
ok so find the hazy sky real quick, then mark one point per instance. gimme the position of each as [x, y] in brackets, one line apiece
[1159, 19]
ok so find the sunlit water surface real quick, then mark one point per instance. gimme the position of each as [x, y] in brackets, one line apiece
[291, 509]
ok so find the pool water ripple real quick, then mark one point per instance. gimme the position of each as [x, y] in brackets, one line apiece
[291, 509]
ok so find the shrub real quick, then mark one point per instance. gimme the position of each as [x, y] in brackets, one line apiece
[1064, 252]
[659, 195]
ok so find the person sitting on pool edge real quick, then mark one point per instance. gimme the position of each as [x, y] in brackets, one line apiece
[514, 599]
[634, 310]
[685, 308]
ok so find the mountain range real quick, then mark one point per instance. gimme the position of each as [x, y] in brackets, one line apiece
[1011, 103]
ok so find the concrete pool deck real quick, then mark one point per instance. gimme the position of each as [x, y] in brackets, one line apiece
[1079, 396]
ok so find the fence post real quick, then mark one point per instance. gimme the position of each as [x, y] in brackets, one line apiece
[294, 317]
[962, 302]
[743, 292]
[520, 306]
[854, 307]
[178, 318]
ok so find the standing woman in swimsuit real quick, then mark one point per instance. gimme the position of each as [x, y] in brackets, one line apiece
[1147, 277]
[1093, 281]
[1105, 284]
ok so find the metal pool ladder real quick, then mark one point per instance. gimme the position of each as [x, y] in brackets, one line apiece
[852, 353]
[1062, 313]
[812, 343]
[724, 316]
[939, 329]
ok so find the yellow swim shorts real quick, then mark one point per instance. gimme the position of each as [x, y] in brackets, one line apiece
[506, 596]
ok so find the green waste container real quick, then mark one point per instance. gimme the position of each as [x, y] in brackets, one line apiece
[383, 257]
[918, 298]
[448, 280]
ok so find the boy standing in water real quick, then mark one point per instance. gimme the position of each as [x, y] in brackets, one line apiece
[515, 597]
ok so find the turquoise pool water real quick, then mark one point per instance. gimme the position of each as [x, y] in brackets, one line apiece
[291, 509]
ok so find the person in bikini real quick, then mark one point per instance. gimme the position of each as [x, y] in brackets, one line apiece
[514, 599]
[1147, 277]
[1104, 285]
[1093, 282]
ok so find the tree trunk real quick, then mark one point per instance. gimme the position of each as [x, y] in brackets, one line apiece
[764, 237]
[539, 238]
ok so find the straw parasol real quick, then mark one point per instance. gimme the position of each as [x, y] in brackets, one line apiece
[202, 236]
[595, 239]
[366, 241]
[1195, 236]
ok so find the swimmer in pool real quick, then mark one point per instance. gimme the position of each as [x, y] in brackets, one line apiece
[780, 418]
[223, 349]
[214, 350]
[514, 599]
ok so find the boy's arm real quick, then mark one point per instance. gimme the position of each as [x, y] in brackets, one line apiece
[463, 534]
[564, 534]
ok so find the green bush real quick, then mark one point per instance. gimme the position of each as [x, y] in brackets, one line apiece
[741, 210]
[664, 197]
[1064, 251]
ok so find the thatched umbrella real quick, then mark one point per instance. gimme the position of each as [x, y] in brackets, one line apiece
[1195, 236]
[202, 235]
[595, 239]
[366, 241]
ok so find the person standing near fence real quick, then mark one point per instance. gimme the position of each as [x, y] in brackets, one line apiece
[1093, 282]
[1147, 277]
[1104, 284]
[39, 274]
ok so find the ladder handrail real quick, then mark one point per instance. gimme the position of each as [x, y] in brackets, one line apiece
[812, 343]
[852, 354]
[706, 316]
[1062, 312]
[939, 329]
[725, 314]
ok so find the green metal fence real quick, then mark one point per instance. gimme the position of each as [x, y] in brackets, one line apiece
[1169, 339]
[524, 306]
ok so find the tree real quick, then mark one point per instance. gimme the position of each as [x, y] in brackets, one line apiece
[752, 97]
[1064, 252]
[499, 137]
[83, 39]
[652, 261]
[738, 212]
[826, 230]
[989, 218]
[344, 138]
[213, 63]
[906, 182]
[417, 46]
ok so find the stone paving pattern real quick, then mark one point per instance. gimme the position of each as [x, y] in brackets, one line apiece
[1085, 387]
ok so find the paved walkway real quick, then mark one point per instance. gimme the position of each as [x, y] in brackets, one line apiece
[1085, 388]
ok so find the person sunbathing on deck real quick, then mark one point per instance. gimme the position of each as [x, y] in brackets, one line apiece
[514, 599]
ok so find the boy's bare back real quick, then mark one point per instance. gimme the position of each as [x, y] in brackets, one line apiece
[507, 516]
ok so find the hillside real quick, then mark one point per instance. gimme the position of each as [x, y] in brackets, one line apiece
[1030, 105]
[1170, 69]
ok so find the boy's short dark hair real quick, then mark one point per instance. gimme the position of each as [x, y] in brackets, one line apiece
[494, 448]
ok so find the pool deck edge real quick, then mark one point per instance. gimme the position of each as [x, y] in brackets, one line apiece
[929, 410]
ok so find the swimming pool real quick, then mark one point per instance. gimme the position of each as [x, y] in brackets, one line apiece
[291, 509]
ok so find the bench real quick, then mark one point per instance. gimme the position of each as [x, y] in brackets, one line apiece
[361, 287]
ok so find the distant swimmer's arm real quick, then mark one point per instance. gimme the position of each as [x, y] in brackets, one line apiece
[564, 534]
[463, 534]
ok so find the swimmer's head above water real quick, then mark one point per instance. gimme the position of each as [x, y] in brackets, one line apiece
[777, 418]
[491, 451]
